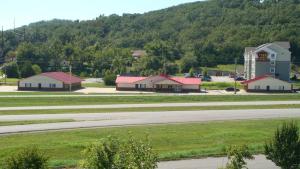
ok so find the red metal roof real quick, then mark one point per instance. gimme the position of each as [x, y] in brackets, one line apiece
[187, 81]
[128, 79]
[63, 77]
[256, 79]
[181, 80]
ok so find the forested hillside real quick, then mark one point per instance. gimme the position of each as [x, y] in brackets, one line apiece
[176, 39]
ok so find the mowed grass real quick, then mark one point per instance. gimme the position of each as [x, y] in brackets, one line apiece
[10, 123]
[219, 85]
[96, 100]
[99, 85]
[175, 141]
[147, 109]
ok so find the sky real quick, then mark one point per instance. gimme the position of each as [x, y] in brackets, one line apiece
[29, 11]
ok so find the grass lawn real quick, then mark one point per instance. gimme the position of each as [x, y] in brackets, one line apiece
[228, 68]
[169, 141]
[99, 85]
[219, 85]
[10, 123]
[9, 81]
[96, 100]
[146, 109]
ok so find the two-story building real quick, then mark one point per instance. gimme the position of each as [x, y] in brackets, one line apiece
[272, 60]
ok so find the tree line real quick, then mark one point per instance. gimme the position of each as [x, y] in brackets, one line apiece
[193, 35]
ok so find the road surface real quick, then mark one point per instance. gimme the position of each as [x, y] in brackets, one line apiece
[111, 106]
[260, 162]
[91, 120]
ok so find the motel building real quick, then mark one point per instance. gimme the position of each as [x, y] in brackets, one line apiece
[50, 81]
[159, 83]
[267, 68]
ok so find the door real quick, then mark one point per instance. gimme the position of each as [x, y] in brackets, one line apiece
[268, 88]
[40, 86]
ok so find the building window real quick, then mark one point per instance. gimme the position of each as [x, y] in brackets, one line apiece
[52, 85]
[273, 57]
[272, 70]
[27, 84]
[273, 62]
[257, 87]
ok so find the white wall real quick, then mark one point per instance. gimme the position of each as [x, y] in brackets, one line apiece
[191, 87]
[43, 80]
[273, 83]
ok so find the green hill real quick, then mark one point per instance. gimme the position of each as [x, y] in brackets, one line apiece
[199, 34]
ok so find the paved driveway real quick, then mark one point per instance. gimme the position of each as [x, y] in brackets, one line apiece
[260, 162]
[140, 118]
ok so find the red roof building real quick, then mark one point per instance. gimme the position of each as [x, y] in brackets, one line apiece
[162, 83]
[51, 81]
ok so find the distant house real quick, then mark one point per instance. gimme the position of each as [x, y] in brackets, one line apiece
[51, 81]
[159, 83]
[136, 54]
[267, 83]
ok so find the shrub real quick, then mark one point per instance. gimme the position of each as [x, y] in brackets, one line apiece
[236, 156]
[29, 158]
[284, 148]
[109, 79]
[36, 69]
[27, 70]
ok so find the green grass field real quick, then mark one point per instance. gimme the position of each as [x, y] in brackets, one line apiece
[219, 85]
[169, 141]
[146, 109]
[10, 123]
[99, 85]
[94, 100]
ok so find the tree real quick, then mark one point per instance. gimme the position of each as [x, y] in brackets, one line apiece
[137, 154]
[109, 78]
[102, 155]
[12, 70]
[37, 70]
[28, 158]
[236, 156]
[27, 70]
[284, 148]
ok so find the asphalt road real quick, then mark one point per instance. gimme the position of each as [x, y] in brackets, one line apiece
[250, 103]
[260, 162]
[91, 120]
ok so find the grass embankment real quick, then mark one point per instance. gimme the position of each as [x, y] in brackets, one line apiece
[169, 141]
[146, 109]
[11, 123]
[219, 85]
[96, 100]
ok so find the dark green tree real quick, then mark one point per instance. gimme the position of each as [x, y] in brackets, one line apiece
[284, 148]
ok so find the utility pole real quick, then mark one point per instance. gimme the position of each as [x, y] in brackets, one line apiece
[2, 54]
[235, 73]
[70, 76]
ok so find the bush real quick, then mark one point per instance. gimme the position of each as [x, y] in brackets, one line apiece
[109, 79]
[27, 70]
[36, 69]
[12, 70]
[102, 155]
[236, 156]
[284, 148]
[29, 158]
[111, 153]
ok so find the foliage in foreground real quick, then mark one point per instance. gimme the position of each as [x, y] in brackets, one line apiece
[29, 158]
[284, 148]
[111, 153]
[236, 156]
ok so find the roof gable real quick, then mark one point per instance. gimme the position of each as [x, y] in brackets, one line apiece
[261, 78]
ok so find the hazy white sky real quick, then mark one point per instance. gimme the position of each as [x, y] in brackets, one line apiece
[28, 11]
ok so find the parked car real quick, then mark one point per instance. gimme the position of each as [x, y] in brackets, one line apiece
[206, 78]
[239, 79]
[231, 89]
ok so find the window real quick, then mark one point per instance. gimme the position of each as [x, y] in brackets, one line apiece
[272, 70]
[273, 62]
[27, 84]
[257, 87]
[273, 57]
[52, 85]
